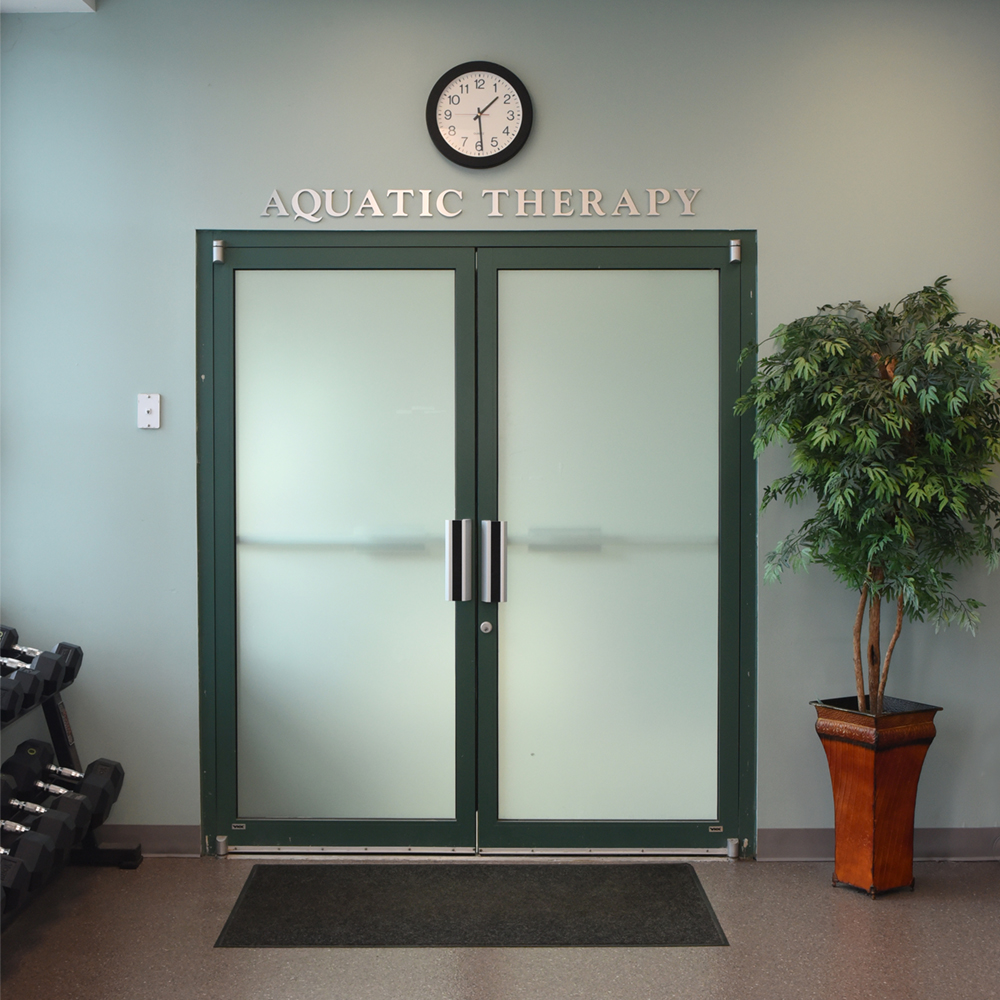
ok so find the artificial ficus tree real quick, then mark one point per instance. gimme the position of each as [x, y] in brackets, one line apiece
[893, 418]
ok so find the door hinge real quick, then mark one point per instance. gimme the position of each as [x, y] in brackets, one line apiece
[218, 251]
[735, 251]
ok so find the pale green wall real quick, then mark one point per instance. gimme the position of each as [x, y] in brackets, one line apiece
[859, 138]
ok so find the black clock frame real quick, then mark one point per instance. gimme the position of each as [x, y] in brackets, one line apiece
[493, 159]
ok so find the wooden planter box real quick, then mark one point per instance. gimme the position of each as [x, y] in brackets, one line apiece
[875, 765]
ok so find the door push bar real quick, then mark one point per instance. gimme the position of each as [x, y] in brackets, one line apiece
[458, 560]
[493, 556]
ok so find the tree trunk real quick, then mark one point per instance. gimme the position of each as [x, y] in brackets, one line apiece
[859, 676]
[874, 642]
[888, 654]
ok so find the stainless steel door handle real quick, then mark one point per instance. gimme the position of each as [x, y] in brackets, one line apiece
[493, 559]
[458, 560]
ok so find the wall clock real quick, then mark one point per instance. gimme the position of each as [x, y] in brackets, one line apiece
[479, 114]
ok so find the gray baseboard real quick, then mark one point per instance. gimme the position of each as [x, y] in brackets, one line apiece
[929, 844]
[176, 841]
[775, 844]
[794, 844]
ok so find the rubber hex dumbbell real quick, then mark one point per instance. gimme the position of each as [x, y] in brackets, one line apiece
[68, 653]
[37, 853]
[11, 699]
[22, 691]
[77, 807]
[51, 822]
[34, 685]
[47, 666]
[32, 763]
[102, 783]
[16, 880]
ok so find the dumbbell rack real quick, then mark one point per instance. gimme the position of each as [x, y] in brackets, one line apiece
[90, 852]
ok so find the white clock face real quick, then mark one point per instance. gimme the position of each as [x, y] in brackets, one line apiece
[479, 114]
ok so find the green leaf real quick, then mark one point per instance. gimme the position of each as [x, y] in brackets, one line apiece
[899, 466]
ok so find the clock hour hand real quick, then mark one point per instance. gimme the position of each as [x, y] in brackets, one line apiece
[481, 111]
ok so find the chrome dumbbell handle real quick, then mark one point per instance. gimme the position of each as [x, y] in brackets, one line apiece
[51, 789]
[66, 772]
[28, 807]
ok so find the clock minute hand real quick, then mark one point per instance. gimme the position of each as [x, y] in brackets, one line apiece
[479, 114]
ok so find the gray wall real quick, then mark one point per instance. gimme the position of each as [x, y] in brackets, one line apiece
[859, 139]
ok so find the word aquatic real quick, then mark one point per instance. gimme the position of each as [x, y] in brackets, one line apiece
[330, 203]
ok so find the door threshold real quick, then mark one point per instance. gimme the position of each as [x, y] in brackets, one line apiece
[609, 851]
[282, 849]
[257, 850]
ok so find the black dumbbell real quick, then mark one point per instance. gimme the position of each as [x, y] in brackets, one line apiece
[102, 783]
[52, 822]
[78, 808]
[34, 760]
[69, 654]
[37, 853]
[16, 879]
[31, 683]
[47, 666]
[22, 691]
[11, 699]
[32, 763]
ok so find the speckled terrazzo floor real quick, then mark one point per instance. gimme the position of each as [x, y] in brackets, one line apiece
[105, 934]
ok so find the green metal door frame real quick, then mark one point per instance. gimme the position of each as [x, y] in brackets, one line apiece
[216, 531]
[710, 834]
[217, 545]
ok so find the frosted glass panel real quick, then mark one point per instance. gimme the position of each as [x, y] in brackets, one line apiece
[344, 477]
[608, 465]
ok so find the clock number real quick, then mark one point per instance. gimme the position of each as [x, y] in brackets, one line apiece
[454, 98]
[480, 84]
[463, 88]
[451, 130]
[506, 98]
[494, 142]
[506, 131]
[447, 114]
[465, 139]
[479, 147]
[510, 116]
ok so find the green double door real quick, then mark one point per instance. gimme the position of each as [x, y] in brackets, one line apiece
[476, 543]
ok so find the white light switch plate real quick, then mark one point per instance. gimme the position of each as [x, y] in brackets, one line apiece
[149, 410]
